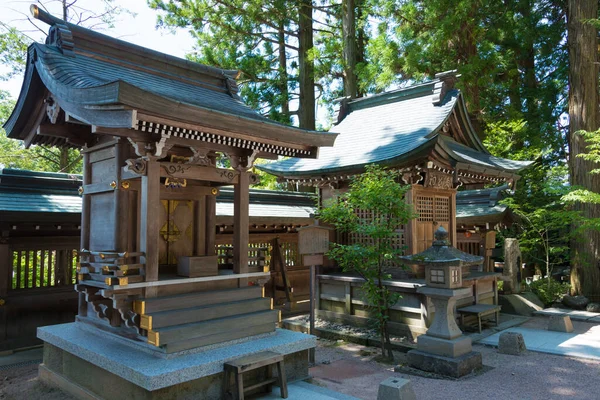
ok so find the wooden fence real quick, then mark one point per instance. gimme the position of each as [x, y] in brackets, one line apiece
[38, 275]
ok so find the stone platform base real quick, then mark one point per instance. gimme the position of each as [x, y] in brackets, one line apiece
[452, 367]
[94, 366]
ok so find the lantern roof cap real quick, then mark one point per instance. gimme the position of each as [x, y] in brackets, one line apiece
[442, 253]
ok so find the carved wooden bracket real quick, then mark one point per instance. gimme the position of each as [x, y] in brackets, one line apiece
[52, 109]
[243, 163]
[151, 150]
[201, 158]
[138, 166]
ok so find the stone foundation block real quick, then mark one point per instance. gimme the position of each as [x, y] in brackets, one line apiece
[560, 323]
[446, 366]
[443, 347]
[396, 389]
[511, 343]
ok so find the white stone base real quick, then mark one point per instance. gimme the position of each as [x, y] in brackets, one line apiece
[152, 373]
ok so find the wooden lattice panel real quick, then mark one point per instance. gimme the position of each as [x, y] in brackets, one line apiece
[366, 216]
[441, 210]
[424, 207]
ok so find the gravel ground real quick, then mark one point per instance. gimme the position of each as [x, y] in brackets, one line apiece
[350, 369]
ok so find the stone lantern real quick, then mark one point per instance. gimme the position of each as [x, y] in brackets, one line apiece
[443, 349]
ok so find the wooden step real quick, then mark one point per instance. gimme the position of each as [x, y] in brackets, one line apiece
[219, 338]
[197, 314]
[196, 299]
[220, 326]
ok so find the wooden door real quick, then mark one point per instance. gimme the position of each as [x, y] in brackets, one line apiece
[176, 232]
[434, 211]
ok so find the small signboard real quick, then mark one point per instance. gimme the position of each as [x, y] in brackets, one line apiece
[313, 239]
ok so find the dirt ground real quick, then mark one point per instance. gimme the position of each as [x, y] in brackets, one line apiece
[21, 383]
[351, 369]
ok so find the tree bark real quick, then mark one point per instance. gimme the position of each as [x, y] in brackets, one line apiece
[306, 110]
[583, 114]
[283, 75]
[350, 48]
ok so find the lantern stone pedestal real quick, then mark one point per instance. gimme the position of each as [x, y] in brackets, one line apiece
[443, 349]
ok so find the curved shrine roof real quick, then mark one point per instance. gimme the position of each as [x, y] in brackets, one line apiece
[396, 129]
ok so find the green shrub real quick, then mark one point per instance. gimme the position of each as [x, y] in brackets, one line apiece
[549, 292]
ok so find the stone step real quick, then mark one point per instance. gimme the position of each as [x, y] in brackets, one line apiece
[196, 299]
[218, 327]
[162, 319]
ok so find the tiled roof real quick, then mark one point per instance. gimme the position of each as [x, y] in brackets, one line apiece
[375, 133]
[480, 203]
[395, 129]
[85, 71]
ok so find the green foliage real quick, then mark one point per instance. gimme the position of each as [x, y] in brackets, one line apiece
[13, 51]
[377, 191]
[549, 291]
[544, 220]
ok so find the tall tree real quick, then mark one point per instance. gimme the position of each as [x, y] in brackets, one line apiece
[583, 116]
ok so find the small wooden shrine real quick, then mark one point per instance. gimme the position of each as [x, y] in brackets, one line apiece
[151, 128]
[423, 132]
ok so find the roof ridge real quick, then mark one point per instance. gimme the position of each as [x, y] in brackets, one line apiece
[72, 38]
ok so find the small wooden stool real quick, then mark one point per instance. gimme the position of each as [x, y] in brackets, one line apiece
[249, 363]
[479, 310]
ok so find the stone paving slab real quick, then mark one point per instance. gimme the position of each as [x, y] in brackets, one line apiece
[305, 391]
[586, 345]
[152, 372]
[575, 315]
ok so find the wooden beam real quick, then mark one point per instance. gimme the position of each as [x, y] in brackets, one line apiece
[241, 223]
[182, 281]
[149, 223]
[76, 134]
[140, 136]
[274, 140]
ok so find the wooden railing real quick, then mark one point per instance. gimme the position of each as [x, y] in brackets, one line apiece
[36, 263]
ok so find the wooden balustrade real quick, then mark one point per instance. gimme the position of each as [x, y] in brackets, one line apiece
[42, 265]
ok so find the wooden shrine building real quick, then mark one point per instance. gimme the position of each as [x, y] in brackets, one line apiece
[151, 127]
[422, 131]
[40, 224]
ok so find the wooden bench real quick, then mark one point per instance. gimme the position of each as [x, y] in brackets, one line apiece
[252, 362]
[479, 310]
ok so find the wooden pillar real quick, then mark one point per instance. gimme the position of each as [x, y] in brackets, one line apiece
[5, 269]
[200, 226]
[241, 236]
[84, 227]
[5, 284]
[211, 224]
[149, 223]
[410, 227]
[452, 230]
[121, 201]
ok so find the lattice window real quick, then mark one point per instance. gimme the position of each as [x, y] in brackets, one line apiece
[441, 210]
[455, 276]
[367, 216]
[433, 208]
[424, 207]
[437, 276]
